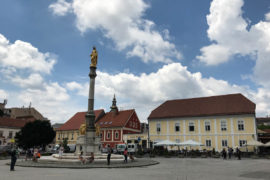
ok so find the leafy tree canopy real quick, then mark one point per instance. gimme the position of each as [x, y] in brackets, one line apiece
[262, 127]
[36, 133]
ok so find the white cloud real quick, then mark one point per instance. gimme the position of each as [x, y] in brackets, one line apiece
[146, 91]
[22, 55]
[230, 36]
[60, 8]
[23, 66]
[122, 21]
[214, 54]
[33, 81]
[52, 101]
[73, 86]
[267, 16]
[3, 94]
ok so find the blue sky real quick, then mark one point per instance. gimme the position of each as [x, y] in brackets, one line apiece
[149, 51]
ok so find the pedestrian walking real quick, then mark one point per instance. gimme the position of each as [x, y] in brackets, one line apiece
[13, 159]
[238, 153]
[224, 153]
[125, 155]
[61, 151]
[230, 152]
[28, 154]
[109, 155]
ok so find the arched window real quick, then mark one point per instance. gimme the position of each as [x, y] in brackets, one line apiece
[108, 135]
[116, 135]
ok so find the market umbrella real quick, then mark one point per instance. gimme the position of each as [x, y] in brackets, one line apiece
[190, 143]
[267, 144]
[166, 143]
[255, 143]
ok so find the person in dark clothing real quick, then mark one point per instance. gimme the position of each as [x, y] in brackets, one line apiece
[125, 154]
[109, 155]
[230, 152]
[238, 153]
[224, 154]
[13, 159]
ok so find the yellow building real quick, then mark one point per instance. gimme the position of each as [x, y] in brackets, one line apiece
[217, 122]
[70, 129]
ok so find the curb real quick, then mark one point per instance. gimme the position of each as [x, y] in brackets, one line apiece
[137, 163]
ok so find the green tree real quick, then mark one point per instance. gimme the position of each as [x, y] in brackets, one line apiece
[65, 145]
[262, 127]
[36, 133]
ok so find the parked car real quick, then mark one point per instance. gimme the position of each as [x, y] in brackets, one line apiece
[5, 149]
[104, 150]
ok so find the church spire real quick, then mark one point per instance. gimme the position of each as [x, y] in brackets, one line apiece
[114, 108]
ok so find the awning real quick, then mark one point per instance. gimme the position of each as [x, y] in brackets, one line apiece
[166, 143]
[190, 143]
[254, 143]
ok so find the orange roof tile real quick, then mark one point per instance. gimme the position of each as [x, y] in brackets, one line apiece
[111, 119]
[75, 122]
[230, 104]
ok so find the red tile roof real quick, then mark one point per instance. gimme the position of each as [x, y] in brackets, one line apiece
[12, 123]
[111, 119]
[263, 119]
[231, 104]
[75, 122]
[266, 130]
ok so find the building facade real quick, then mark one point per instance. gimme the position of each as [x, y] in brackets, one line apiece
[113, 125]
[70, 129]
[8, 129]
[138, 138]
[263, 121]
[217, 121]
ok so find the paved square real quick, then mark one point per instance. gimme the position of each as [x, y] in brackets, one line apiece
[168, 169]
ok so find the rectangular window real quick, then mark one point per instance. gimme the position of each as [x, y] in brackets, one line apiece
[10, 134]
[191, 126]
[108, 135]
[116, 135]
[177, 127]
[59, 136]
[223, 125]
[177, 140]
[241, 125]
[242, 143]
[158, 128]
[1, 133]
[72, 136]
[224, 143]
[207, 126]
[208, 143]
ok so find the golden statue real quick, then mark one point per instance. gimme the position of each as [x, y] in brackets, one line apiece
[94, 57]
[82, 129]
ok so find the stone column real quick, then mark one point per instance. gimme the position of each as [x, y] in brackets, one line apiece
[90, 115]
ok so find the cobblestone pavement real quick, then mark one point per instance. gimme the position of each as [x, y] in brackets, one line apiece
[168, 169]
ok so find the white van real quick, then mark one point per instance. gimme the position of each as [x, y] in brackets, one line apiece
[132, 148]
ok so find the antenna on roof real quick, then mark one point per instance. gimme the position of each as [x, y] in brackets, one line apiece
[30, 105]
